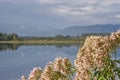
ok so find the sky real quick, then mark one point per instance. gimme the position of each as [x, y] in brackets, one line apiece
[56, 14]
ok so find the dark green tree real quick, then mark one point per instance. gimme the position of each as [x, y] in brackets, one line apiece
[14, 36]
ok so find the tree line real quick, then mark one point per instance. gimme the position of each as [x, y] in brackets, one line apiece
[6, 37]
[14, 36]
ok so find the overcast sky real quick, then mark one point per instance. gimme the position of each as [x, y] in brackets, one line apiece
[48, 14]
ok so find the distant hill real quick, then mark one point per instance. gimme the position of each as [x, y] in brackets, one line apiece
[78, 30]
[30, 30]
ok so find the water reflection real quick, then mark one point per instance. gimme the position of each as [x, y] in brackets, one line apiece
[13, 47]
[20, 60]
[4, 47]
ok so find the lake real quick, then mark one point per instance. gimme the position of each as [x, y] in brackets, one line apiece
[19, 61]
[16, 61]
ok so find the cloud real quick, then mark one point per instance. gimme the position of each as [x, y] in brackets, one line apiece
[59, 12]
[17, 2]
[73, 7]
[109, 3]
[22, 27]
[81, 7]
[68, 10]
[118, 16]
[51, 1]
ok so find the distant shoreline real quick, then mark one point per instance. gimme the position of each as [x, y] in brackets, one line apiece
[41, 42]
[55, 40]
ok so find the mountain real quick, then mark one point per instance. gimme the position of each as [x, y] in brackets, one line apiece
[78, 30]
[31, 30]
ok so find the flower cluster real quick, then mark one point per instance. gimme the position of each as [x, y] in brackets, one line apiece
[93, 54]
[59, 69]
[34, 74]
[23, 78]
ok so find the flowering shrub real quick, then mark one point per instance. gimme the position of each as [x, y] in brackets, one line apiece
[60, 69]
[95, 54]
[93, 62]
[35, 74]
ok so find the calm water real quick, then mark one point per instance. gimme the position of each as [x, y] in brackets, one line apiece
[14, 62]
